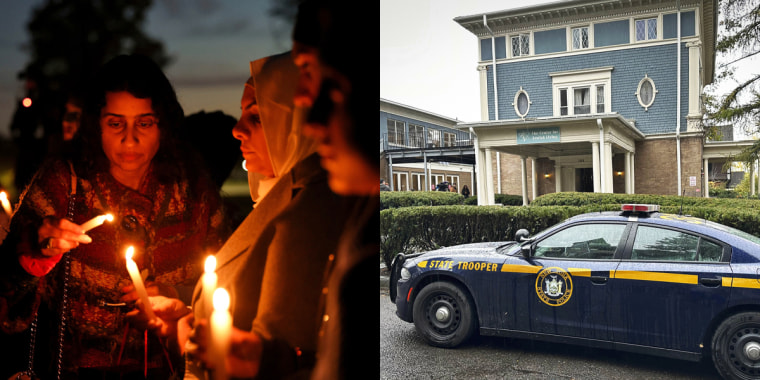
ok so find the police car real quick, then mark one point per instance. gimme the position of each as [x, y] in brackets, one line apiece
[636, 280]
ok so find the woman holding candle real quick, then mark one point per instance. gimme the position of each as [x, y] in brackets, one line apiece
[130, 165]
[273, 263]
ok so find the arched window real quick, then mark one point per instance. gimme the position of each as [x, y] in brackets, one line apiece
[521, 103]
[646, 92]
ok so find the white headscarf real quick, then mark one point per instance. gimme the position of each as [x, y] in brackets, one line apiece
[275, 78]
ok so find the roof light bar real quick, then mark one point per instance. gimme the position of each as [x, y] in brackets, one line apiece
[640, 208]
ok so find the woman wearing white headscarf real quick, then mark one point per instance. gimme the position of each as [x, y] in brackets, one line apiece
[273, 263]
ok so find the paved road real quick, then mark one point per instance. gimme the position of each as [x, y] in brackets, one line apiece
[404, 355]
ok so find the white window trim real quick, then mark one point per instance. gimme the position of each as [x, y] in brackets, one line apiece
[582, 78]
[569, 34]
[633, 28]
[530, 44]
[514, 103]
[638, 92]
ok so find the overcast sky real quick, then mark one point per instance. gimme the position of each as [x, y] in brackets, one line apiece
[212, 42]
[428, 61]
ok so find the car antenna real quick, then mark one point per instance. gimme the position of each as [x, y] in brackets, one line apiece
[682, 193]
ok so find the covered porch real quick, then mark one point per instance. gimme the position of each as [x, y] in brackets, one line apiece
[581, 153]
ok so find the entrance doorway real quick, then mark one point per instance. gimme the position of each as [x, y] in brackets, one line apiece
[584, 180]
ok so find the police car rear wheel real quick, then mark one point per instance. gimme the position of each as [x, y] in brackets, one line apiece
[443, 315]
[736, 347]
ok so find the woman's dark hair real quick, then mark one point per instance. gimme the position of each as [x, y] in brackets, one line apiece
[142, 78]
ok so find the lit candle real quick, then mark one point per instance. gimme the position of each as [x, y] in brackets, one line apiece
[221, 329]
[209, 284]
[96, 221]
[6, 203]
[138, 282]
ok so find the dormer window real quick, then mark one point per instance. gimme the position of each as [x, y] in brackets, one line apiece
[646, 29]
[520, 45]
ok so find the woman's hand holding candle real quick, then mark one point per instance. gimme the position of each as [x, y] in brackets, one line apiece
[96, 221]
[137, 281]
[6, 203]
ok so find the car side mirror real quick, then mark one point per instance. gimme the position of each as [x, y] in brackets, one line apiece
[527, 250]
[522, 235]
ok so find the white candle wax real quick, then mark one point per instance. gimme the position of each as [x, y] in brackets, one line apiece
[209, 284]
[134, 273]
[96, 221]
[221, 330]
[6, 203]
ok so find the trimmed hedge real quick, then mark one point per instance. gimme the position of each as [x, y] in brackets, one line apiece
[581, 199]
[396, 199]
[416, 229]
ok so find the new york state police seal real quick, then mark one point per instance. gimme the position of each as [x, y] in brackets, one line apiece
[554, 286]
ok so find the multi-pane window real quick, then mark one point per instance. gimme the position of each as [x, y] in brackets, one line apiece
[434, 138]
[646, 29]
[416, 136]
[396, 132]
[582, 101]
[520, 45]
[599, 99]
[659, 244]
[580, 38]
[449, 139]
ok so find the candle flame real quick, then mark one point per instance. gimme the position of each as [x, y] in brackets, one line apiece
[221, 299]
[3, 196]
[210, 265]
[130, 252]
[109, 217]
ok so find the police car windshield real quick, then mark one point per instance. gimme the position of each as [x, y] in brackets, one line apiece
[733, 231]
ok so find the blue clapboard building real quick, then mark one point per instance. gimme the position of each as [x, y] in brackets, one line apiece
[602, 96]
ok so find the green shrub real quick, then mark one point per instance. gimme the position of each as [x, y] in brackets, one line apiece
[415, 229]
[396, 199]
[581, 199]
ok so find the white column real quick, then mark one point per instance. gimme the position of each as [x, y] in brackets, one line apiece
[523, 177]
[707, 178]
[607, 176]
[489, 178]
[628, 156]
[633, 172]
[694, 88]
[533, 178]
[752, 178]
[427, 172]
[498, 172]
[483, 75]
[597, 171]
[557, 178]
[390, 168]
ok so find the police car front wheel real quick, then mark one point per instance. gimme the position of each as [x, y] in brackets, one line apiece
[444, 315]
[736, 346]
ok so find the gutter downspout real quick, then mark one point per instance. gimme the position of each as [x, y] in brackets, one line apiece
[678, 100]
[493, 60]
[601, 156]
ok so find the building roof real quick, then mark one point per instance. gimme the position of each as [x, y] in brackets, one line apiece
[394, 107]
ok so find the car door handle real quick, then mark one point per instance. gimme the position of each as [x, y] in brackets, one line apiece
[712, 282]
[599, 279]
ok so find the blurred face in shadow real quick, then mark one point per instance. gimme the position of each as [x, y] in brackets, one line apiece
[250, 132]
[71, 119]
[307, 60]
[349, 172]
[130, 136]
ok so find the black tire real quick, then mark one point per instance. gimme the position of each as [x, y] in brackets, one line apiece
[737, 337]
[455, 321]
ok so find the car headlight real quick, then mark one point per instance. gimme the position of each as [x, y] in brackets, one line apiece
[405, 274]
